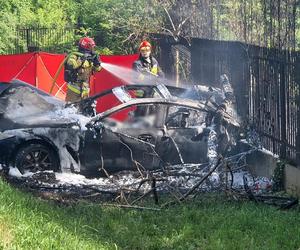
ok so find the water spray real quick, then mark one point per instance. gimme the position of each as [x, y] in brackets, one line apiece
[131, 76]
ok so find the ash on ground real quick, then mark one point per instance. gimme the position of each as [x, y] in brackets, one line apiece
[175, 181]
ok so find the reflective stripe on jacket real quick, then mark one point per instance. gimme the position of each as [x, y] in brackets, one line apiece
[82, 66]
[147, 68]
[79, 88]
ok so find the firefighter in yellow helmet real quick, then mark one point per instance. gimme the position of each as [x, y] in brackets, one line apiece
[147, 65]
[79, 67]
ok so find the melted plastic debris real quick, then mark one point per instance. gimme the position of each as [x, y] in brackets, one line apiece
[257, 185]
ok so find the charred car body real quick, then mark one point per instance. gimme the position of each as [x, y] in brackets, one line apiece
[162, 127]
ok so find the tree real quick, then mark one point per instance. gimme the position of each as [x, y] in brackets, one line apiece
[26, 13]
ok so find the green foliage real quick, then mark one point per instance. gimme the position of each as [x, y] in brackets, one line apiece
[210, 222]
[7, 25]
[52, 13]
[118, 26]
[12, 13]
[15, 14]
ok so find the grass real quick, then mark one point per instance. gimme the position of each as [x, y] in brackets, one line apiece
[27, 222]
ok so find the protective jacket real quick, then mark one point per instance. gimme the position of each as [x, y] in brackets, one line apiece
[78, 69]
[147, 68]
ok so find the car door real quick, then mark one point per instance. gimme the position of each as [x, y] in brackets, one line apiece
[126, 145]
[90, 154]
[186, 135]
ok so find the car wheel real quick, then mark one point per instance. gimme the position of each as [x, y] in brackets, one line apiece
[36, 157]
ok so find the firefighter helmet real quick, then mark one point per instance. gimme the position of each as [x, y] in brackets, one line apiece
[87, 43]
[145, 44]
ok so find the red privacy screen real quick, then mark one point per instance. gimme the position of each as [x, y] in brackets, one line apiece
[39, 69]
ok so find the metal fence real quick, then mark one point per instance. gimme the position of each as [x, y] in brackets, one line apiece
[266, 83]
[29, 39]
[53, 40]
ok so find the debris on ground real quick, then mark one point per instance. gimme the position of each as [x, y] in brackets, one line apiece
[179, 182]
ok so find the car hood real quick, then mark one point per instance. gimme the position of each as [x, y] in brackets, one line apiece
[23, 106]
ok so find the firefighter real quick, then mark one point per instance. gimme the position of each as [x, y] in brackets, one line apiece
[147, 65]
[79, 67]
[149, 70]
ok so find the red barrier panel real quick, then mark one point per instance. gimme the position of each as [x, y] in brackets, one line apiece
[21, 66]
[39, 69]
[104, 80]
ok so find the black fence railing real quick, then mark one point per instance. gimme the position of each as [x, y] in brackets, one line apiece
[29, 39]
[266, 83]
[53, 40]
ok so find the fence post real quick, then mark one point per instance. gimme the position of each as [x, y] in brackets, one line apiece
[297, 81]
[238, 71]
[27, 38]
[283, 107]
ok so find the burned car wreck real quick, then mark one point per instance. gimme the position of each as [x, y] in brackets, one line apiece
[164, 126]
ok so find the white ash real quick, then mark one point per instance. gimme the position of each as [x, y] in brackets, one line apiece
[130, 180]
[15, 172]
[212, 146]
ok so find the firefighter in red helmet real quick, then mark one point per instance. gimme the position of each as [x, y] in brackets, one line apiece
[79, 67]
[146, 64]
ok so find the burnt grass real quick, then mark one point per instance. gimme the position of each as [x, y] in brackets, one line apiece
[41, 219]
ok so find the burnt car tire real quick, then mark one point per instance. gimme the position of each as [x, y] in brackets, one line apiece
[36, 157]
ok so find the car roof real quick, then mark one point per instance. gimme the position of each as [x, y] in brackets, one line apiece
[193, 92]
[206, 107]
[130, 87]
